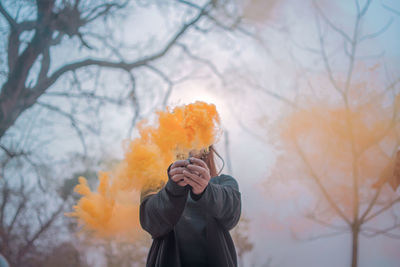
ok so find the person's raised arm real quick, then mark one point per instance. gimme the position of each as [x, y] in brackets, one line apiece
[159, 212]
[222, 201]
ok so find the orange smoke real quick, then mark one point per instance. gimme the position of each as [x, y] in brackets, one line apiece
[113, 211]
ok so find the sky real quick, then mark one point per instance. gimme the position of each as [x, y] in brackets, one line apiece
[272, 218]
[272, 213]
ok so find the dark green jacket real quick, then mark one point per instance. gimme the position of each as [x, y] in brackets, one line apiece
[160, 211]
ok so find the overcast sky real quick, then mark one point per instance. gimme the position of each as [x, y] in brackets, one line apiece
[272, 216]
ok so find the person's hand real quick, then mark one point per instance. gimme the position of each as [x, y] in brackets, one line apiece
[197, 175]
[176, 172]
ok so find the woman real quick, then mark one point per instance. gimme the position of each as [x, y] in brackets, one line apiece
[190, 217]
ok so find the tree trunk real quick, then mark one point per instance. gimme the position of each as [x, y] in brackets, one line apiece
[354, 255]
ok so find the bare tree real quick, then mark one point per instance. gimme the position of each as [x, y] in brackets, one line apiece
[351, 198]
[240, 237]
[365, 206]
[30, 71]
[25, 83]
[26, 219]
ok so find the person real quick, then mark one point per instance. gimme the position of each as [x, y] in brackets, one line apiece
[189, 217]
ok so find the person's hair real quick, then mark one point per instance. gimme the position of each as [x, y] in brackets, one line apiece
[210, 161]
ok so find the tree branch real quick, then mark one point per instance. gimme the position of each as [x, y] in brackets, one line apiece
[325, 58]
[167, 80]
[391, 9]
[15, 98]
[313, 218]
[313, 238]
[132, 96]
[85, 94]
[102, 10]
[386, 207]
[333, 26]
[320, 185]
[234, 26]
[41, 87]
[12, 154]
[377, 33]
[371, 205]
[42, 229]
[364, 10]
[44, 69]
[6, 193]
[21, 205]
[204, 61]
[273, 94]
[73, 121]
[372, 232]
[13, 24]
[28, 25]
[392, 122]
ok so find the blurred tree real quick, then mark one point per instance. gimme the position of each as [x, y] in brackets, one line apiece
[240, 236]
[342, 144]
[31, 221]
[25, 221]
[116, 253]
[34, 232]
[63, 255]
[37, 29]
[121, 254]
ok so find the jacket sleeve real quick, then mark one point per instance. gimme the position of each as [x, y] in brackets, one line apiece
[222, 201]
[159, 212]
